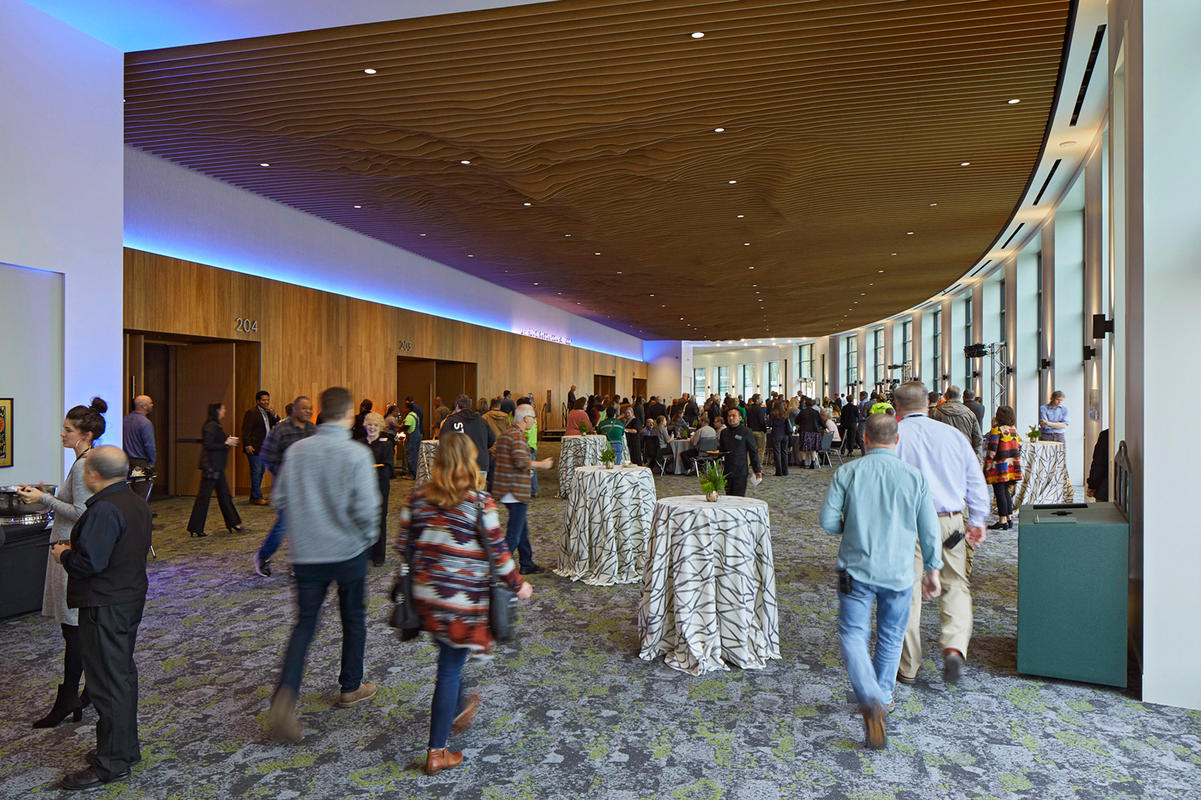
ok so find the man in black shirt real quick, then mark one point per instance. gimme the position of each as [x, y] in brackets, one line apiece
[850, 426]
[756, 420]
[656, 409]
[738, 445]
[466, 421]
[507, 404]
[106, 580]
[691, 412]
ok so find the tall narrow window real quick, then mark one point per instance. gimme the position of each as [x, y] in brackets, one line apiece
[852, 348]
[723, 381]
[936, 338]
[907, 349]
[747, 384]
[968, 382]
[698, 381]
[878, 364]
[1001, 316]
[773, 376]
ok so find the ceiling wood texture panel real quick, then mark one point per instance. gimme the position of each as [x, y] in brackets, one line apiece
[845, 120]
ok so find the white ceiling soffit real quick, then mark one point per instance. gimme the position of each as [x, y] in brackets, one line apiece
[131, 25]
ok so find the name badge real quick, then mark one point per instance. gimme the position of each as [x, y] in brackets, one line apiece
[738, 436]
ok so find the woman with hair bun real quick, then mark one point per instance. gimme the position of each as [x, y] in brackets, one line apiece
[213, 457]
[81, 428]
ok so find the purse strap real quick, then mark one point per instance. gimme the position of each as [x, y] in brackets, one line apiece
[482, 539]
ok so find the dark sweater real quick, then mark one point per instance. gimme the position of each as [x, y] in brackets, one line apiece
[106, 565]
[477, 430]
[738, 445]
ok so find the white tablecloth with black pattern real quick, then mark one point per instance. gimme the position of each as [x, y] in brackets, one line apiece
[425, 459]
[608, 518]
[1044, 475]
[709, 585]
[578, 451]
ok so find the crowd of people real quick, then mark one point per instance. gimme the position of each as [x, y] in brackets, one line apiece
[909, 513]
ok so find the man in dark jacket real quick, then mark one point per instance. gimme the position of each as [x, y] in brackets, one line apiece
[691, 412]
[738, 444]
[756, 420]
[106, 580]
[656, 409]
[466, 421]
[850, 426]
[256, 424]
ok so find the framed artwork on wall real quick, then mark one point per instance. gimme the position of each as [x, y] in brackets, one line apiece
[6, 431]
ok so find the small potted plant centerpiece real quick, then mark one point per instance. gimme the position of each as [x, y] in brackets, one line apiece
[713, 481]
[608, 457]
[1033, 433]
[584, 429]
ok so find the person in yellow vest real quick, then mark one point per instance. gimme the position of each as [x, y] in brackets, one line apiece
[882, 406]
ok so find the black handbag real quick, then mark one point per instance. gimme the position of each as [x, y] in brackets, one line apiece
[502, 601]
[404, 614]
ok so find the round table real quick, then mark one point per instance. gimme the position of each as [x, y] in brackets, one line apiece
[578, 451]
[1044, 475]
[678, 447]
[608, 519]
[709, 585]
[425, 459]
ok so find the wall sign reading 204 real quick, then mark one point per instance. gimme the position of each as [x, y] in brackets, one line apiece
[246, 325]
[405, 346]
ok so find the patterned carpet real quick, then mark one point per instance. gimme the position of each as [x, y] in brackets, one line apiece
[571, 712]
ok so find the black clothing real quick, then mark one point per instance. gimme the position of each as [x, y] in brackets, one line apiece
[1098, 471]
[849, 422]
[779, 428]
[736, 485]
[713, 409]
[691, 412]
[756, 417]
[810, 421]
[476, 428]
[107, 635]
[570, 400]
[850, 415]
[507, 405]
[738, 444]
[254, 431]
[640, 414]
[977, 409]
[383, 451]
[214, 453]
[106, 564]
[1004, 499]
[225, 501]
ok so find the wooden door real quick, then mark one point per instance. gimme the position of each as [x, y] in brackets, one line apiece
[416, 378]
[604, 385]
[204, 373]
[639, 389]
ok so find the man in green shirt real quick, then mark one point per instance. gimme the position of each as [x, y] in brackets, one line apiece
[614, 430]
[412, 428]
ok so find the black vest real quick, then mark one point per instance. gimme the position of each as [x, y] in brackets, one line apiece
[124, 579]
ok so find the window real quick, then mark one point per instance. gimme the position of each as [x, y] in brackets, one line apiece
[936, 338]
[852, 349]
[967, 339]
[723, 381]
[746, 385]
[698, 381]
[907, 349]
[1038, 323]
[805, 361]
[773, 376]
[1001, 332]
[878, 369]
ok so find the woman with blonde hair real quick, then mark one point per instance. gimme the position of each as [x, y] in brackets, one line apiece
[445, 527]
[383, 453]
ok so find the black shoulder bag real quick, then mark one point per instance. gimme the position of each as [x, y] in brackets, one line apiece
[502, 601]
[404, 614]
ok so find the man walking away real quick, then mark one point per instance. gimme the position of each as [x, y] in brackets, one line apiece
[850, 427]
[959, 416]
[465, 421]
[614, 430]
[511, 484]
[507, 404]
[281, 437]
[955, 479]
[880, 506]
[256, 424]
[106, 580]
[332, 501]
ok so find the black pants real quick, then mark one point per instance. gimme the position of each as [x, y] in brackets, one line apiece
[1004, 499]
[200, 509]
[848, 439]
[107, 635]
[781, 446]
[736, 485]
[72, 658]
[379, 550]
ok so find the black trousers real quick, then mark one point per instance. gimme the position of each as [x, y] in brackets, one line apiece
[736, 485]
[379, 550]
[781, 446]
[848, 439]
[200, 509]
[1004, 499]
[107, 635]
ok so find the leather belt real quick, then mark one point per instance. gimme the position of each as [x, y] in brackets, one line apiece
[948, 513]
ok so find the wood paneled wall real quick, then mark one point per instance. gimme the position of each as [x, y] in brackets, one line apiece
[312, 339]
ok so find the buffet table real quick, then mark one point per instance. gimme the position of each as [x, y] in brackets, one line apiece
[608, 518]
[1044, 475]
[578, 451]
[709, 585]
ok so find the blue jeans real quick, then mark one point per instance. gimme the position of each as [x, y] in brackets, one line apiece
[517, 534]
[448, 693]
[312, 581]
[256, 476]
[275, 537]
[617, 448]
[873, 679]
[534, 473]
[413, 452]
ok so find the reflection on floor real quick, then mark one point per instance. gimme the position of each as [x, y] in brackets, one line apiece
[572, 712]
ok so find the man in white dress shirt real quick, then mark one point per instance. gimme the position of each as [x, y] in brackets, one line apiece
[949, 464]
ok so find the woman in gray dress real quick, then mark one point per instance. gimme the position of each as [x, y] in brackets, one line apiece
[82, 427]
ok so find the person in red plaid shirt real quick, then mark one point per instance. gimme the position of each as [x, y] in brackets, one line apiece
[511, 484]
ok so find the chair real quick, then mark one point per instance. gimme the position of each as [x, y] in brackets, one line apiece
[706, 451]
[663, 457]
[824, 453]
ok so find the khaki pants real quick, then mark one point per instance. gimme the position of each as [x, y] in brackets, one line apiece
[761, 447]
[955, 603]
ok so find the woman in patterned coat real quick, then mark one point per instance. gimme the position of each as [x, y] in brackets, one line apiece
[450, 581]
[1003, 464]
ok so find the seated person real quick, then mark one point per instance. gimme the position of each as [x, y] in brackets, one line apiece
[678, 427]
[704, 433]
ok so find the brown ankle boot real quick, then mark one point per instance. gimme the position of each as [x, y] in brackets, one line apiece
[438, 760]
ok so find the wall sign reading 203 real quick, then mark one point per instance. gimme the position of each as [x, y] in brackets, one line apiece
[246, 325]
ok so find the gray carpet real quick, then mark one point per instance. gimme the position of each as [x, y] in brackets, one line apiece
[571, 711]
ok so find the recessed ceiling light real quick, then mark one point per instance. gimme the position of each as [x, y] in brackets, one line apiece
[652, 295]
[567, 235]
[465, 161]
[740, 216]
[421, 234]
[698, 35]
[264, 164]
[908, 233]
[879, 270]
[618, 271]
[535, 283]
[892, 254]
[1068, 143]
[558, 293]
[597, 254]
[731, 182]
[1014, 101]
[527, 204]
[358, 206]
[681, 318]
[719, 130]
[861, 294]
[932, 205]
[746, 244]
[471, 255]
[369, 71]
[750, 267]
[577, 302]
[965, 163]
[663, 305]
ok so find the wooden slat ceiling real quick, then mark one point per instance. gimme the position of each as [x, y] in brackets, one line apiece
[845, 122]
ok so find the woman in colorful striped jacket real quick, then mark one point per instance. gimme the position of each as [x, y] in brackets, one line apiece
[444, 524]
[1003, 463]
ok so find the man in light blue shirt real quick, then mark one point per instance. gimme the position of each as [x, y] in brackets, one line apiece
[880, 506]
[949, 464]
[1053, 419]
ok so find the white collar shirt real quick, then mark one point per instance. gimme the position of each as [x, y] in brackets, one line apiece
[945, 457]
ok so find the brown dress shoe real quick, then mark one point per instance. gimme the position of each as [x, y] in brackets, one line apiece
[438, 760]
[874, 726]
[365, 692]
[282, 721]
[464, 718]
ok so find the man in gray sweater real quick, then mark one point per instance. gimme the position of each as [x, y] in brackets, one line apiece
[332, 499]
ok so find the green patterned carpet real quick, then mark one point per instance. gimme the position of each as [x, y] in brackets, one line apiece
[572, 712]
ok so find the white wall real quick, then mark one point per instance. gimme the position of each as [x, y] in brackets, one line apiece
[60, 208]
[177, 212]
[31, 320]
[665, 370]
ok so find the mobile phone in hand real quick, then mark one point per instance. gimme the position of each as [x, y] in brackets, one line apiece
[951, 541]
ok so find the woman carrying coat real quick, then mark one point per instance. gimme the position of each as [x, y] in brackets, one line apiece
[82, 427]
[445, 527]
[213, 455]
